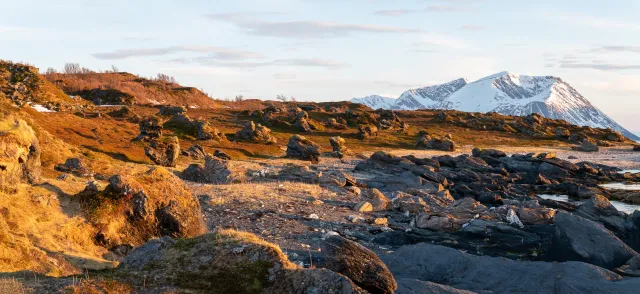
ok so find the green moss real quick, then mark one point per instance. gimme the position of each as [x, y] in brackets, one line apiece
[244, 277]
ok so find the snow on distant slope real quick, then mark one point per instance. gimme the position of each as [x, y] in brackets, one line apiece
[510, 94]
[375, 101]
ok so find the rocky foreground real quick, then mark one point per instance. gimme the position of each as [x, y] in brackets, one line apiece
[303, 198]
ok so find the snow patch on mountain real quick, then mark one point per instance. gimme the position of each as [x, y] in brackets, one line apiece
[508, 94]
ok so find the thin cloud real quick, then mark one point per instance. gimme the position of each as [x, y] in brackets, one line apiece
[596, 22]
[600, 66]
[302, 29]
[396, 12]
[293, 62]
[629, 49]
[473, 28]
[217, 52]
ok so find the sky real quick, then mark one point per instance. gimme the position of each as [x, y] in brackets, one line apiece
[330, 50]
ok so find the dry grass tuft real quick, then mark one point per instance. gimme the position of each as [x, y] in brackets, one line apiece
[12, 286]
[98, 286]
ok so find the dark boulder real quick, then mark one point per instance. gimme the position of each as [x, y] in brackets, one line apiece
[579, 239]
[165, 152]
[255, 134]
[359, 264]
[367, 131]
[75, 166]
[302, 148]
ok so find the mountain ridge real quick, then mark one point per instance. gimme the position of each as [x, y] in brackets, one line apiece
[506, 93]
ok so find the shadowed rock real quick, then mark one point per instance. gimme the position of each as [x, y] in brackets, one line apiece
[255, 134]
[165, 152]
[302, 148]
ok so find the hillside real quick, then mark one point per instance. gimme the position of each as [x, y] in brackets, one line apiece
[508, 94]
[121, 88]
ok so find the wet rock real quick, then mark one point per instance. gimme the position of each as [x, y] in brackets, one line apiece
[359, 264]
[74, 166]
[367, 131]
[453, 268]
[579, 239]
[536, 216]
[19, 153]
[150, 128]
[636, 148]
[338, 146]
[255, 134]
[302, 148]
[165, 152]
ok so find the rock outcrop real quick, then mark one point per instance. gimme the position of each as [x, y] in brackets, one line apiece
[135, 208]
[367, 131]
[359, 264]
[428, 142]
[255, 134]
[214, 171]
[19, 153]
[338, 146]
[302, 148]
[74, 166]
[197, 128]
[165, 152]
[150, 128]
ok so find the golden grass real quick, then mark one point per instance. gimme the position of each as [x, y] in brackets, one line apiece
[39, 235]
[98, 286]
[12, 286]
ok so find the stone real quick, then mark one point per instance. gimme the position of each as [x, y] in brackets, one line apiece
[150, 128]
[19, 153]
[586, 146]
[302, 148]
[383, 221]
[221, 155]
[363, 206]
[195, 151]
[165, 152]
[367, 131]
[214, 171]
[169, 110]
[427, 142]
[536, 216]
[579, 239]
[636, 148]
[408, 203]
[302, 122]
[484, 274]
[477, 152]
[378, 201]
[338, 146]
[75, 166]
[359, 264]
[255, 134]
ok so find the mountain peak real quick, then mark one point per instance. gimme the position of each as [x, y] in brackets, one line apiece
[506, 93]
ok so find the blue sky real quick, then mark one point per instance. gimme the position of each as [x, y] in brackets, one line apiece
[326, 50]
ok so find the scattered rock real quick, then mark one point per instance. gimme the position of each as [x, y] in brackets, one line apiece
[74, 166]
[195, 151]
[427, 142]
[636, 148]
[150, 128]
[586, 146]
[359, 264]
[164, 153]
[378, 201]
[363, 206]
[221, 155]
[255, 134]
[338, 145]
[367, 131]
[19, 153]
[301, 148]
[172, 110]
[214, 171]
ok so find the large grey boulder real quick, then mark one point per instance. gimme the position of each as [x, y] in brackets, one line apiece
[579, 239]
[302, 148]
[483, 274]
[164, 152]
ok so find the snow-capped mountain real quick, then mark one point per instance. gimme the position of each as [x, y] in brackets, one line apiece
[376, 101]
[508, 94]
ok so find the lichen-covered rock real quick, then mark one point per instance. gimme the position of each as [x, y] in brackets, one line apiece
[221, 155]
[367, 131]
[150, 128]
[195, 151]
[19, 153]
[378, 201]
[255, 134]
[164, 153]
[227, 262]
[197, 128]
[75, 166]
[137, 207]
[338, 146]
[172, 110]
[334, 124]
[359, 264]
[302, 122]
[302, 148]
[214, 171]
